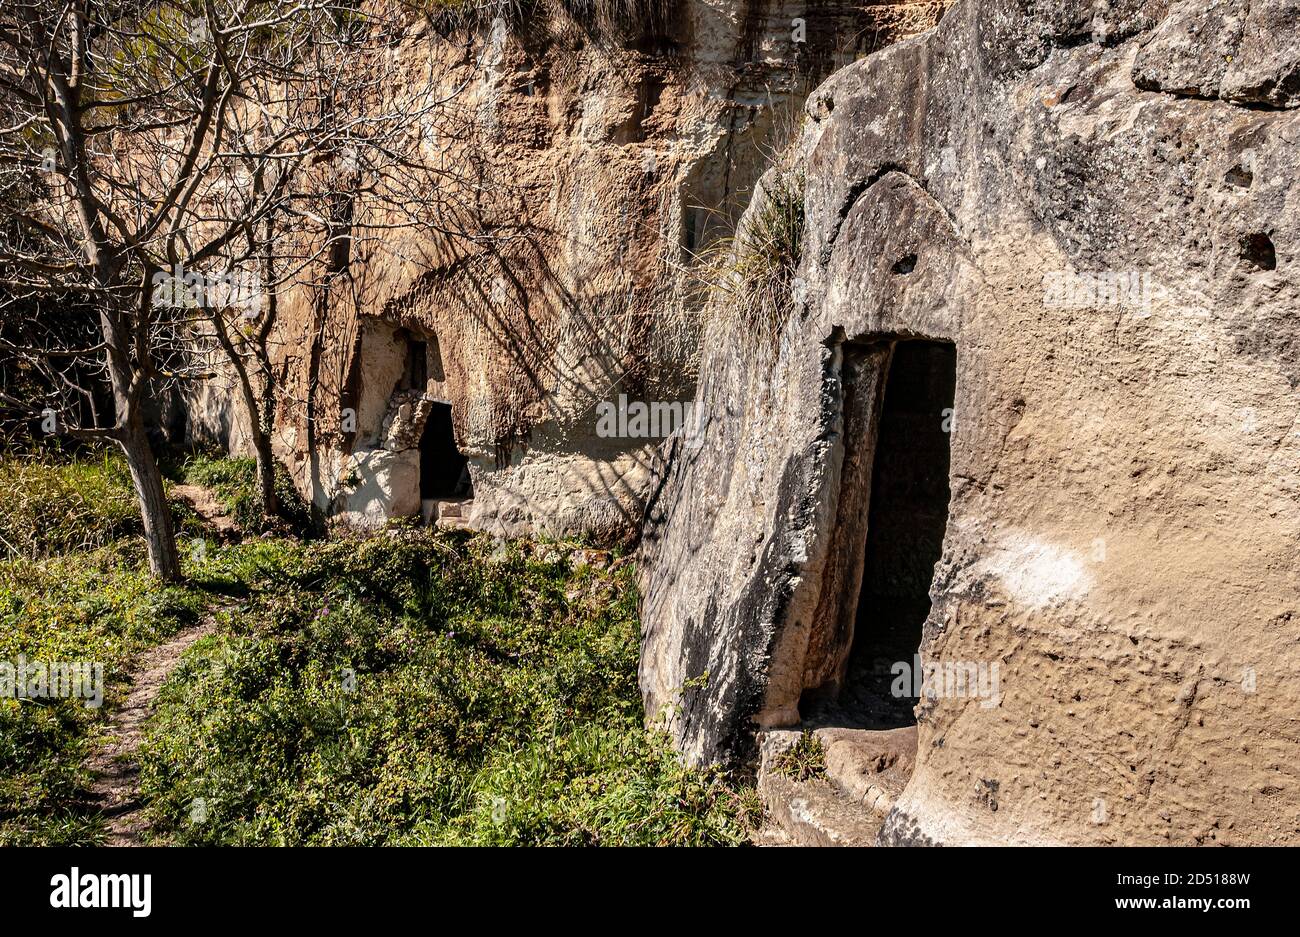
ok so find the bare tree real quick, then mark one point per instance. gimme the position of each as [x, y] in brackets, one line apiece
[194, 157]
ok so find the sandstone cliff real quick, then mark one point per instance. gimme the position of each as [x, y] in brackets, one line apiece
[1096, 204]
[599, 152]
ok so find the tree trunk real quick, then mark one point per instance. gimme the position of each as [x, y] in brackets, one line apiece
[259, 429]
[154, 511]
[259, 407]
[265, 473]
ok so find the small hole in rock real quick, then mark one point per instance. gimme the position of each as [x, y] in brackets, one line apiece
[1257, 250]
[1240, 176]
[906, 265]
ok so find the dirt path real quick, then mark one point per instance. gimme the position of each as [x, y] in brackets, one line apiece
[116, 785]
[116, 788]
[206, 504]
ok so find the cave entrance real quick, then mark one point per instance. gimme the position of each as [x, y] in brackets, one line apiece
[861, 673]
[893, 512]
[444, 472]
[906, 519]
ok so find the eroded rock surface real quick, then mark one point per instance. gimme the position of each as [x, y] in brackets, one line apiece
[1245, 51]
[607, 155]
[1101, 212]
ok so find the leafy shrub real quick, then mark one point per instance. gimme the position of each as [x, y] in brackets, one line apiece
[42, 749]
[53, 507]
[234, 480]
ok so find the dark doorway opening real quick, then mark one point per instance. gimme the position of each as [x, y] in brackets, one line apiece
[415, 369]
[907, 436]
[444, 474]
[905, 526]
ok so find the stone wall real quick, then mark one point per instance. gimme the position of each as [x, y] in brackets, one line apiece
[1097, 204]
[615, 154]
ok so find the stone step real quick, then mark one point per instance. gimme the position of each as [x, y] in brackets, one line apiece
[813, 813]
[846, 799]
[870, 767]
[444, 513]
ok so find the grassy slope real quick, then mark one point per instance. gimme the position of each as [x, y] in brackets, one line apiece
[420, 689]
[73, 587]
[410, 688]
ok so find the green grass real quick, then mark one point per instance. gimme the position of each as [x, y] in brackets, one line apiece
[235, 483]
[409, 688]
[804, 760]
[752, 277]
[52, 507]
[74, 587]
[98, 607]
[423, 689]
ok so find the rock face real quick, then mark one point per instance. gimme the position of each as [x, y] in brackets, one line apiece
[1234, 50]
[1096, 205]
[610, 153]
